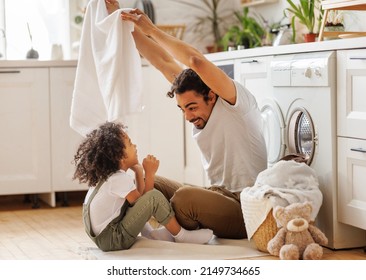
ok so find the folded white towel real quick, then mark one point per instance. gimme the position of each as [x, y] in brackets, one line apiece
[108, 78]
[284, 183]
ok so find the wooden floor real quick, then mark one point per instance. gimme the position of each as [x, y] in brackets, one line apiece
[57, 233]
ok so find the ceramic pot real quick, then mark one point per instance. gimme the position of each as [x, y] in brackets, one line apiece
[310, 37]
[214, 48]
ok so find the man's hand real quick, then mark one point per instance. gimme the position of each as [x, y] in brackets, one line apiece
[140, 19]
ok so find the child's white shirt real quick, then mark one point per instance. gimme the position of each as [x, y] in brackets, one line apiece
[108, 202]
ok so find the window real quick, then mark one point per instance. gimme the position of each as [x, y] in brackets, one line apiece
[2, 30]
[48, 23]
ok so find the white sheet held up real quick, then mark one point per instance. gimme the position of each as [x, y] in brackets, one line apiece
[108, 77]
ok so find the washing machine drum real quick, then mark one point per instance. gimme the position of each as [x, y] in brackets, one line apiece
[301, 134]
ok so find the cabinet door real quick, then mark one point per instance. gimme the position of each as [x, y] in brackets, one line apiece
[351, 182]
[254, 73]
[25, 131]
[351, 97]
[158, 129]
[64, 140]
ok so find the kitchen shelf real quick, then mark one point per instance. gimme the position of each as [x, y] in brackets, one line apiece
[248, 3]
[327, 5]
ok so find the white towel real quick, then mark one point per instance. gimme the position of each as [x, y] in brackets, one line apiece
[108, 78]
[284, 183]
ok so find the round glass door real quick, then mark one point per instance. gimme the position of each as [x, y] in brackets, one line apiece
[273, 129]
[301, 134]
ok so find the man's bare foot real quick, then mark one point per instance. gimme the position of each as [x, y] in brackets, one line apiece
[111, 5]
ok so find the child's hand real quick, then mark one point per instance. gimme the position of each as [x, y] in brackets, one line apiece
[136, 168]
[150, 164]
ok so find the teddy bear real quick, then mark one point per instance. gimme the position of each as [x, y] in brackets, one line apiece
[297, 238]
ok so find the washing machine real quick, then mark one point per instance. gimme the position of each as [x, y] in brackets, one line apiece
[299, 117]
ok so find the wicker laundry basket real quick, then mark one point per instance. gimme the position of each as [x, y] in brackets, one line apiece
[266, 231]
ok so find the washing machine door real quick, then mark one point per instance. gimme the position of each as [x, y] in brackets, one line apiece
[273, 130]
[301, 133]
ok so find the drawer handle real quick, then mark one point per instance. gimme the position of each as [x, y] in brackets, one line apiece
[357, 58]
[10, 72]
[360, 150]
[250, 61]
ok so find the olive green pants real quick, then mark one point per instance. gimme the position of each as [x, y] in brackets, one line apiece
[121, 232]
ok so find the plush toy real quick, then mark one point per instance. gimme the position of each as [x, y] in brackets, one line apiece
[296, 238]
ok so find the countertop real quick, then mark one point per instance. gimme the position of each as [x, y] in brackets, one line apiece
[31, 63]
[339, 44]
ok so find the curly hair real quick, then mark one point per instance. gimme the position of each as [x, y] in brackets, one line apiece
[189, 80]
[99, 155]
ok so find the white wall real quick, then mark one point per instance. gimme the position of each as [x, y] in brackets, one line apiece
[172, 12]
[48, 23]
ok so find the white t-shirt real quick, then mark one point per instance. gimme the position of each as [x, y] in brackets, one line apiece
[232, 145]
[108, 202]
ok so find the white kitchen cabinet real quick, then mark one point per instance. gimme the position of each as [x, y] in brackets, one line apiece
[25, 159]
[253, 73]
[351, 181]
[351, 116]
[64, 140]
[37, 145]
[351, 97]
[158, 129]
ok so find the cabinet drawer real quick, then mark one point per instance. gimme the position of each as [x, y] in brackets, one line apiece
[351, 94]
[253, 65]
[351, 182]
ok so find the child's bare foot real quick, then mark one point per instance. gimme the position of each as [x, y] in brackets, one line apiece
[111, 5]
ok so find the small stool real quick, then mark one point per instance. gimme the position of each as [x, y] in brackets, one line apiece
[327, 5]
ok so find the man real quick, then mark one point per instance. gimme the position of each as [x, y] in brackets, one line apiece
[226, 126]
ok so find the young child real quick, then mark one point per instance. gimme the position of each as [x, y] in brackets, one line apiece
[117, 207]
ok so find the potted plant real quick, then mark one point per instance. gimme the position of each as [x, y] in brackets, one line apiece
[214, 16]
[249, 31]
[309, 13]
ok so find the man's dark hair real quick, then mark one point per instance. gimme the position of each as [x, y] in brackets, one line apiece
[189, 80]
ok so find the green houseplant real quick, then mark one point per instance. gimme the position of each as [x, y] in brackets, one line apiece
[309, 13]
[214, 16]
[249, 31]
